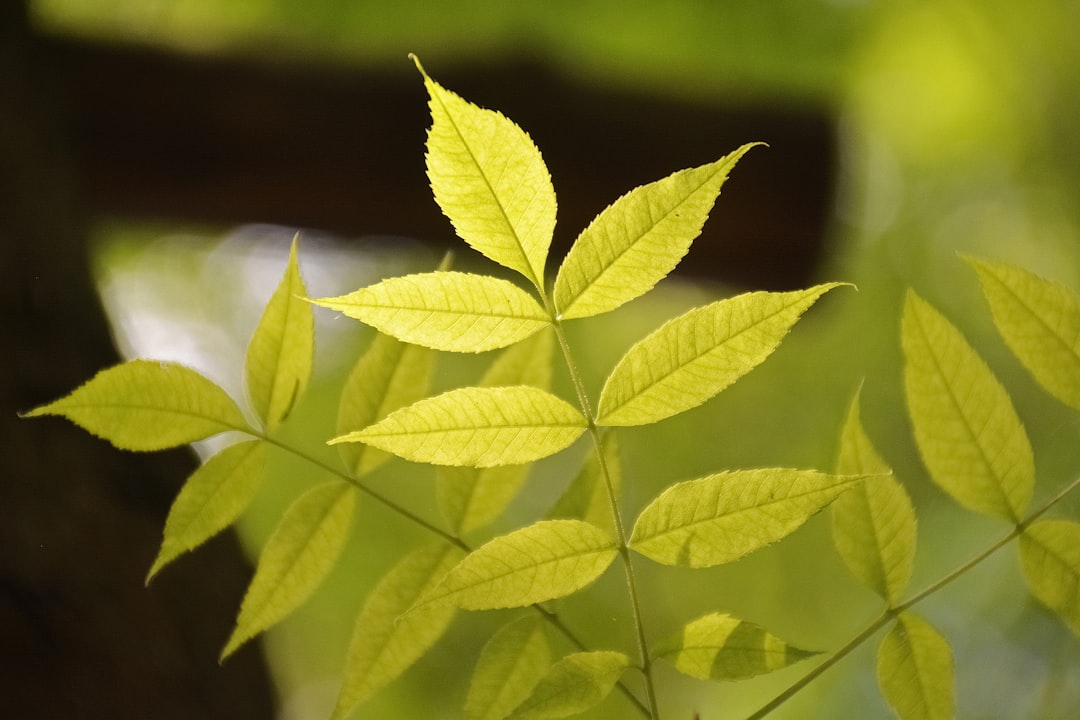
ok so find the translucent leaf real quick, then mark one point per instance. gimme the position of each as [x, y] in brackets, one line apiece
[873, 524]
[720, 518]
[573, 685]
[384, 644]
[279, 357]
[449, 311]
[722, 647]
[212, 499]
[696, 355]
[490, 180]
[586, 498]
[965, 425]
[148, 405]
[525, 363]
[915, 670]
[299, 554]
[1050, 556]
[477, 427]
[510, 666]
[638, 240]
[544, 561]
[1040, 322]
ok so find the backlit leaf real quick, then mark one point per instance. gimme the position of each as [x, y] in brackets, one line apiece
[1050, 556]
[148, 405]
[586, 498]
[965, 425]
[511, 664]
[573, 685]
[721, 517]
[446, 310]
[638, 239]
[477, 427]
[298, 556]
[693, 357]
[915, 670]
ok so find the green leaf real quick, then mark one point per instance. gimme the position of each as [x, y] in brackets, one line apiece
[1040, 322]
[511, 664]
[915, 670]
[477, 427]
[212, 499]
[384, 644]
[638, 240]
[573, 685]
[873, 524]
[279, 357]
[299, 554]
[1050, 557]
[965, 425]
[525, 363]
[722, 647]
[148, 405]
[586, 498]
[721, 517]
[547, 560]
[693, 357]
[490, 180]
[446, 310]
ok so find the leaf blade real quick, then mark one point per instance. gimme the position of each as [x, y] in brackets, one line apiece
[510, 665]
[574, 684]
[1050, 558]
[586, 498]
[915, 670]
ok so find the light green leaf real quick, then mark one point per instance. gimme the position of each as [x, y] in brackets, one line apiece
[915, 670]
[543, 561]
[511, 664]
[1050, 556]
[477, 427]
[693, 357]
[212, 499]
[1040, 322]
[965, 425]
[586, 498]
[299, 554]
[384, 644]
[148, 405]
[873, 524]
[525, 363]
[721, 517]
[279, 357]
[638, 239]
[722, 647]
[573, 685]
[490, 180]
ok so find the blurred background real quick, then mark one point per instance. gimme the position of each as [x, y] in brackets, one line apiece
[157, 157]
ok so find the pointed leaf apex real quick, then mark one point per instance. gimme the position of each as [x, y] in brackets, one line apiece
[416, 61]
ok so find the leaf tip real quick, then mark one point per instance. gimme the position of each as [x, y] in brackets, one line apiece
[416, 62]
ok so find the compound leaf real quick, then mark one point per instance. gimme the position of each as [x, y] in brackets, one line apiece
[1050, 557]
[915, 670]
[586, 498]
[511, 664]
[573, 685]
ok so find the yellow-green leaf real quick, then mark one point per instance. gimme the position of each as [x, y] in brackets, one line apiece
[490, 180]
[721, 517]
[573, 685]
[1050, 556]
[543, 561]
[148, 405]
[279, 357]
[477, 427]
[384, 644]
[693, 357]
[722, 647]
[638, 239]
[586, 498]
[915, 670]
[212, 499]
[299, 554]
[965, 425]
[446, 310]
[511, 664]
[1040, 322]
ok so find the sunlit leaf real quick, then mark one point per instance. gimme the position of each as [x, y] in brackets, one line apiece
[543, 561]
[573, 685]
[148, 405]
[212, 499]
[525, 363]
[477, 427]
[965, 425]
[638, 240]
[384, 644]
[445, 310]
[915, 670]
[1050, 556]
[586, 498]
[721, 517]
[1040, 322]
[722, 647]
[302, 550]
[511, 664]
[696, 355]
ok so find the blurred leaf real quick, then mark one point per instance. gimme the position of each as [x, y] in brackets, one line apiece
[915, 670]
[524, 363]
[573, 685]
[511, 664]
[1050, 557]
[586, 498]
